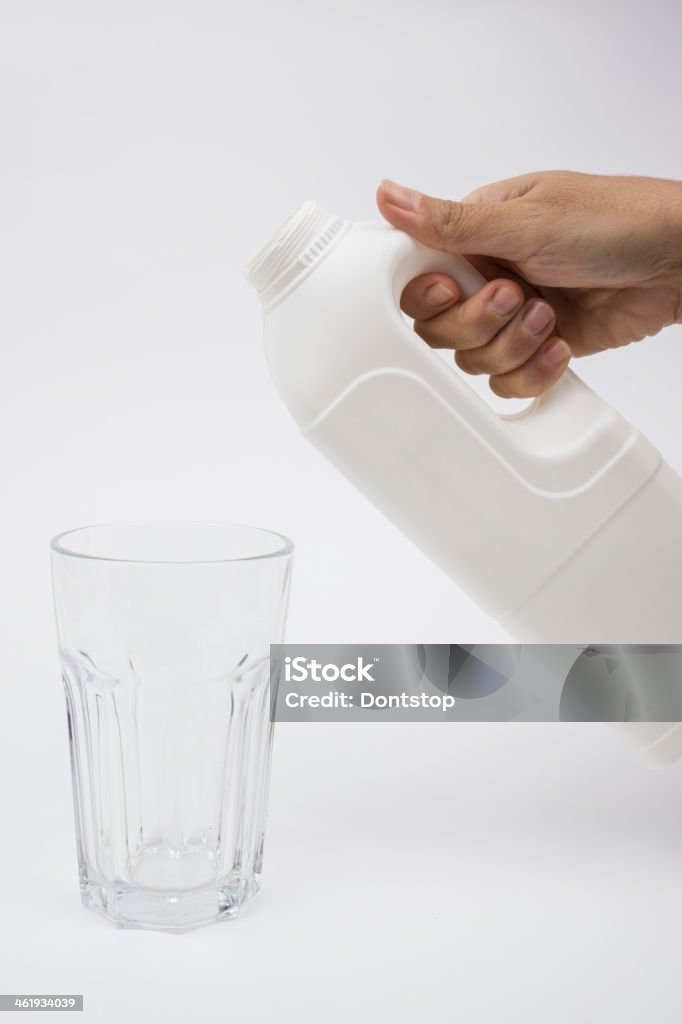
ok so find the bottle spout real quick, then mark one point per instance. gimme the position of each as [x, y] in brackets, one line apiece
[292, 251]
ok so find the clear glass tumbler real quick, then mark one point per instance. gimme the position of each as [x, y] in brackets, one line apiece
[164, 634]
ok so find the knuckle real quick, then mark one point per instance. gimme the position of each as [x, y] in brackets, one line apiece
[487, 359]
[435, 332]
[448, 219]
[468, 360]
[500, 361]
[425, 330]
[519, 345]
[477, 324]
[458, 327]
[478, 195]
[516, 384]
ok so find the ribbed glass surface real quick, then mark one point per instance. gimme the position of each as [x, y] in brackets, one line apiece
[166, 675]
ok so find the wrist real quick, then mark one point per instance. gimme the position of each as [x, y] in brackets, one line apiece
[677, 251]
[666, 220]
[674, 233]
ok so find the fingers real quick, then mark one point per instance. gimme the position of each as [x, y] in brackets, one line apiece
[513, 345]
[536, 375]
[502, 331]
[497, 332]
[495, 228]
[428, 295]
[456, 323]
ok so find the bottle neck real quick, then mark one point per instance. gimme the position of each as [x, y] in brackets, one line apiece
[293, 251]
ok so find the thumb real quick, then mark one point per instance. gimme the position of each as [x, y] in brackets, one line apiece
[499, 229]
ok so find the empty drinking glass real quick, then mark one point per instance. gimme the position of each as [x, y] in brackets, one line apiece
[164, 634]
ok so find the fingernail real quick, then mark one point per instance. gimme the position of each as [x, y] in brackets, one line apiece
[397, 195]
[538, 317]
[438, 293]
[505, 300]
[557, 353]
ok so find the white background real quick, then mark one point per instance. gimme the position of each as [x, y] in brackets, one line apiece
[525, 873]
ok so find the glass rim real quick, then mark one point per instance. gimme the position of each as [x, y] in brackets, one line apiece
[58, 546]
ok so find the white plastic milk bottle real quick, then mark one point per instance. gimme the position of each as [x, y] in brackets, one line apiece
[562, 522]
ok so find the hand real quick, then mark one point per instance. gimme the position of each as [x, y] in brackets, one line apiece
[577, 263]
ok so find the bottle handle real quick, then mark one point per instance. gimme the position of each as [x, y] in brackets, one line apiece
[418, 259]
[567, 424]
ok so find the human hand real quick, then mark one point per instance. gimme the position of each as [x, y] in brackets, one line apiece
[577, 263]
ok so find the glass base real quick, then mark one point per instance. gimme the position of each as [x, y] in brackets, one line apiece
[159, 910]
